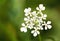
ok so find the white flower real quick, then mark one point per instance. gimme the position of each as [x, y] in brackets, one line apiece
[25, 19]
[47, 25]
[44, 16]
[23, 29]
[37, 8]
[30, 26]
[23, 24]
[41, 7]
[35, 21]
[35, 32]
[49, 22]
[27, 10]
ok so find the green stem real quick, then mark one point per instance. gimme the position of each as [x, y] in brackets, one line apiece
[39, 37]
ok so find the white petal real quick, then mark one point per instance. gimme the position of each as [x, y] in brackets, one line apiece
[32, 31]
[49, 22]
[34, 13]
[31, 19]
[37, 8]
[41, 6]
[40, 20]
[30, 15]
[49, 26]
[45, 22]
[23, 29]
[25, 19]
[30, 27]
[29, 9]
[35, 28]
[44, 18]
[45, 15]
[45, 28]
[26, 22]
[23, 24]
[35, 34]
[26, 14]
[26, 10]
[38, 32]
[41, 28]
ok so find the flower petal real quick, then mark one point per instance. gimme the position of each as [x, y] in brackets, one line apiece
[23, 24]
[32, 31]
[49, 26]
[23, 29]
[35, 34]
[29, 9]
[37, 8]
[41, 28]
[49, 22]
[26, 14]
[41, 6]
[38, 32]
[45, 28]
[25, 19]
[45, 15]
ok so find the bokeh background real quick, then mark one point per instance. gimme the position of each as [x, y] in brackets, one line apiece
[12, 14]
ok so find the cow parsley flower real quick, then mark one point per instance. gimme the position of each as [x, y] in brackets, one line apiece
[23, 29]
[47, 25]
[41, 7]
[35, 21]
[35, 32]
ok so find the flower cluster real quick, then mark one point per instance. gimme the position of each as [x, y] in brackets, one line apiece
[35, 21]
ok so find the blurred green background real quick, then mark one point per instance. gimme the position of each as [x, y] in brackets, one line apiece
[12, 14]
